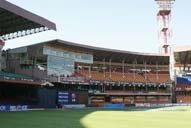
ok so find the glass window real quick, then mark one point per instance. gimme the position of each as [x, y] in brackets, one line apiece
[77, 57]
[59, 66]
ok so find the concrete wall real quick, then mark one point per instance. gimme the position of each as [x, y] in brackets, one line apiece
[29, 70]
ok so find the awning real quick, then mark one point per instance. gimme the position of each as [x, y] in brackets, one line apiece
[16, 22]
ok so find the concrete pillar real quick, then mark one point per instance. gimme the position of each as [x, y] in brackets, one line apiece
[2, 43]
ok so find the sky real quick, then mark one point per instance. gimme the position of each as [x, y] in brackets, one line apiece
[129, 25]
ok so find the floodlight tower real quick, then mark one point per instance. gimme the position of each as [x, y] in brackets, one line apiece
[163, 17]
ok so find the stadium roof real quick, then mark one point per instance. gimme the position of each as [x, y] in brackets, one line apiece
[182, 48]
[14, 19]
[113, 54]
[182, 54]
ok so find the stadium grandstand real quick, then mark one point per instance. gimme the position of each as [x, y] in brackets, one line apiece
[135, 87]
[91, 75]
[182, 55]
[57, 72]
[16, 22]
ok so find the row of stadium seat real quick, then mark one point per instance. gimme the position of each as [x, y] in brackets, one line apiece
[158, 78]
[128, 77]
[132, 92]
[100, 101]
[183, 98]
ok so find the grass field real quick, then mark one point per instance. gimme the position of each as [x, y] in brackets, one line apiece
[171, 117]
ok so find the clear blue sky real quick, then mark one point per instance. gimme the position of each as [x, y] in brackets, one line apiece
[118, 24]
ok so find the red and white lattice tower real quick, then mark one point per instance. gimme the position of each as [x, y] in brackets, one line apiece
[164, 18]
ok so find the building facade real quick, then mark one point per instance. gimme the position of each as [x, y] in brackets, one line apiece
[102, 75]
